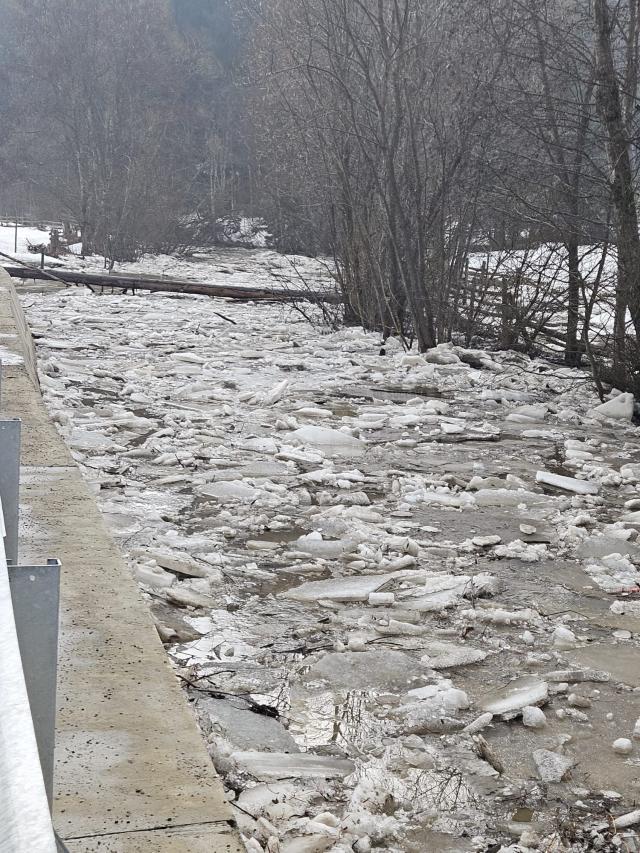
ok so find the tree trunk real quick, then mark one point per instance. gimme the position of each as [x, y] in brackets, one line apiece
[610, 109]
[572, 353]
[619, 331]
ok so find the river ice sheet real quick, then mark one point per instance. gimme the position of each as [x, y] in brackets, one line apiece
[354, 546]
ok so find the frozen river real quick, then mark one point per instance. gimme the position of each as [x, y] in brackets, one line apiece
[394, 636]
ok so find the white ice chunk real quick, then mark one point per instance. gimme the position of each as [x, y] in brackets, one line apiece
[87, 440]
[496, 615]
[329, 440]
[623, 746]
[281, 765]
[443, 590]
[230, 490]
[631, 472]
[452, 428]
[528, 414]
[620, 408]
[381, 599]
[444, 655]
[442, 498]
[563, 638]
[316, 546]
[357, 588]
[486, 541]
[442, 354]
[275, 394]
[507, 497]
[509, 700]
[569, 484]
[153, 576]
[519, 550]
[614, 574]
[533, 717]
[478, 724]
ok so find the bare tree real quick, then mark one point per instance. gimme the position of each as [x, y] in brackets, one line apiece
[387, 128]
[615, 90]
[97, 104]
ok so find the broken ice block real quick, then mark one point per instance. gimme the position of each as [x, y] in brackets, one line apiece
[569, 484]
[619, 408]
[516, 696]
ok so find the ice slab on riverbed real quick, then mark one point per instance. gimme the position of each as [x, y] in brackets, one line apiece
[356, 588]
[330, 441]
[614, 574]
[220, 431]
[230, 490]
[445, 655]
[619, 408]
[442, 590]
[368, 670]
[507, 497]
[568, 484]
[244, 728]
[509, 700]
[281, 765]
[316, 546]
[528, 414]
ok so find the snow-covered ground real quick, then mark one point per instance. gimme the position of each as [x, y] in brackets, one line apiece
[543, 289]
[231, 266]
[28, 237]
[397, 634]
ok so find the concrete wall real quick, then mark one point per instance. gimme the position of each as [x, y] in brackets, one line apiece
[27, 345]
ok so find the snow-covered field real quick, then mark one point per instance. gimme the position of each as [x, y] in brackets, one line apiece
[397, 634]
[27, 237]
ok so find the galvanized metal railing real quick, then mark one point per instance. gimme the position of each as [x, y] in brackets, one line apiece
[25, 819]
[29, 607]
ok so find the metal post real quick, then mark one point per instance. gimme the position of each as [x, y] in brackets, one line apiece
[10, 432]
[35, 593]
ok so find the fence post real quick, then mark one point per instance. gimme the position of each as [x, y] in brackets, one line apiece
[507, 341]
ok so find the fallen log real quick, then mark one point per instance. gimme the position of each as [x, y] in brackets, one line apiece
[155, 285]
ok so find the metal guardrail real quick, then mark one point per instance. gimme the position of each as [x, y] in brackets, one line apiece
[29, 607]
